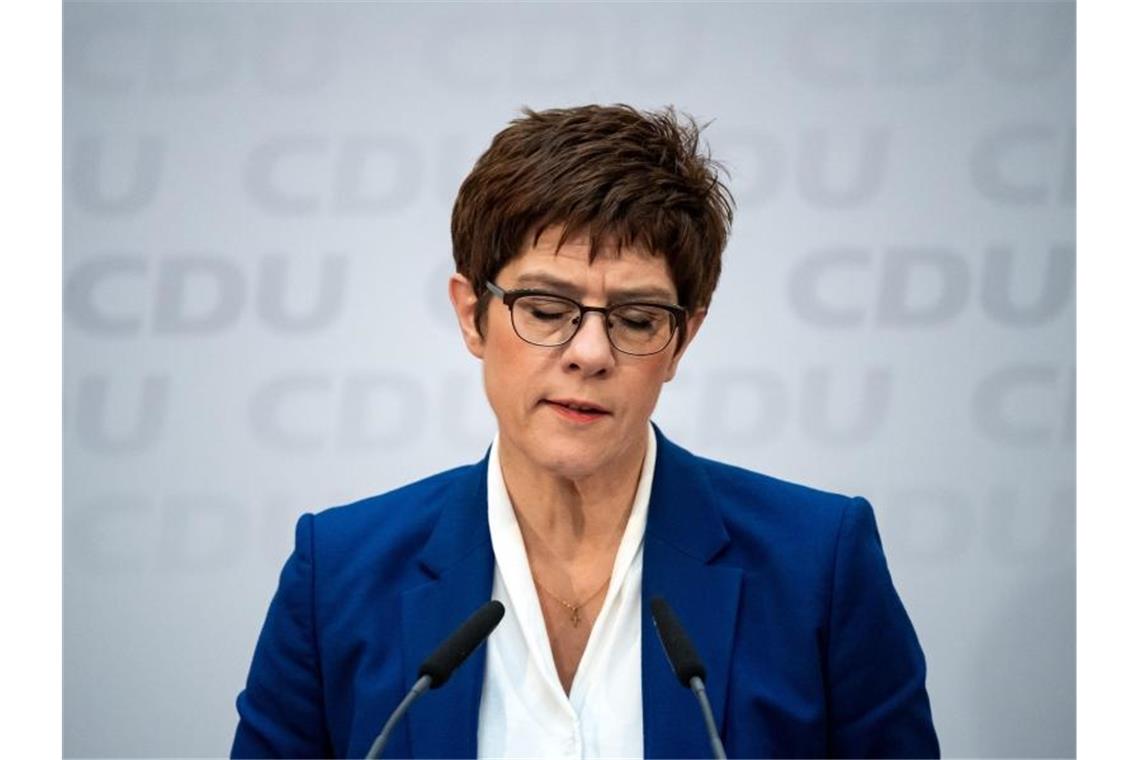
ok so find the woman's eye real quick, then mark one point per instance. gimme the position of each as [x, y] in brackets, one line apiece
[636, 324]
[639, 320]
[549, 315]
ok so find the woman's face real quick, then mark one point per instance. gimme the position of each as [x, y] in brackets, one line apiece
[524, 381]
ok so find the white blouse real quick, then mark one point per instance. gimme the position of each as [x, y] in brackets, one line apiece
[524, 711]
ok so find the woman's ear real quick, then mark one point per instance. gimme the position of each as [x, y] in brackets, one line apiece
[465, 303]
[691, 326]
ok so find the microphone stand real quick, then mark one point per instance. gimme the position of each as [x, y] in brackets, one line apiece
[422, 685]
[698, 687]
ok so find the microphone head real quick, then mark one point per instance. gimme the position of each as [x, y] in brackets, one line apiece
[679, 650]
[441, 663]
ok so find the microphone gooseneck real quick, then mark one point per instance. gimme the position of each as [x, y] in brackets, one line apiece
[441, 663]
[378, 744]
[686, 664]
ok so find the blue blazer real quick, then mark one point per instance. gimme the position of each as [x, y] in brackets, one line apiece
[784, 591]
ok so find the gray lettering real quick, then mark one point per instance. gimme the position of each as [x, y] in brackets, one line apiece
[89, 184]
[269, 404]
[1052, 297]
[743, 407]
[327, 305]
[94, 421]
[946, 286]
[201, 532]
[805, 292]
[399, 421]
[395, 184]
[80, 290]
[994, 399]
[264, 183]
[998, 151]
[186, 280]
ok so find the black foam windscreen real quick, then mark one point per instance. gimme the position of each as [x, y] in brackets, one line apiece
[441, 663]
[679, 649]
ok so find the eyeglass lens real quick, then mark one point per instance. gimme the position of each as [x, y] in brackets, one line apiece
[551, 321]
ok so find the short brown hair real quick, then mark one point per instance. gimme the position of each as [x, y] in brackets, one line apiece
[612, 172]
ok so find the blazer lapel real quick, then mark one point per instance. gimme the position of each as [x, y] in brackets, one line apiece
[683, 533]
[458, 559]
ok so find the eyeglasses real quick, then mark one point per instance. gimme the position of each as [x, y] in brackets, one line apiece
[546, 319]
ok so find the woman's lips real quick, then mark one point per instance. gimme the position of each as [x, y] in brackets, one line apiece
[575, 415]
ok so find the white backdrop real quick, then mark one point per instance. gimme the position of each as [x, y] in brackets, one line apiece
[256, 244]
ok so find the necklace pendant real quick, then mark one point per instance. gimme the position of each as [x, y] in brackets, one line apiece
[575, 617]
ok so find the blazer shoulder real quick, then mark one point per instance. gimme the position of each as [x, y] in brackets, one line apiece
[762, 509]
[402, 516]
[754, 487]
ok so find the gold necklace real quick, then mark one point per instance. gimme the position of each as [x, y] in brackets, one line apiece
[575, 609]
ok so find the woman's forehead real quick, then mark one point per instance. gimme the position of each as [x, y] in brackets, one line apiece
[569, 270]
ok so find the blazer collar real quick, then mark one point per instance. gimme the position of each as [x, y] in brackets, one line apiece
[683, 536]
[460, 566]
[684, 533]
[682, 508]
[462, 525]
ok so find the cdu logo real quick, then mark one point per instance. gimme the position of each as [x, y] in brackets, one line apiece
[830, 406]
[910, 287]
[828, 169]
[116, 177]
[357, 175]
[368, 411]
[128, 295]
[114, 416]
[180, 532]
[1014, 525]
[308, 411]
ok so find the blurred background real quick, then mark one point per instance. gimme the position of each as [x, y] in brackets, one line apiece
[256, 245]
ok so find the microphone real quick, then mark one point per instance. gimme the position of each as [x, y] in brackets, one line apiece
[686, 664]
[441, 663]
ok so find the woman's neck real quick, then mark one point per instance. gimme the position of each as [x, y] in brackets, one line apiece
[571, 520]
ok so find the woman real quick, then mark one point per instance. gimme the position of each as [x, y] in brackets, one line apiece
[587, 244]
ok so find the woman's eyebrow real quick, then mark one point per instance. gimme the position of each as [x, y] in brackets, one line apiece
[543, 280]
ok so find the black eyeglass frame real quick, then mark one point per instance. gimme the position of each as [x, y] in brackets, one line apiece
[508, 297]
